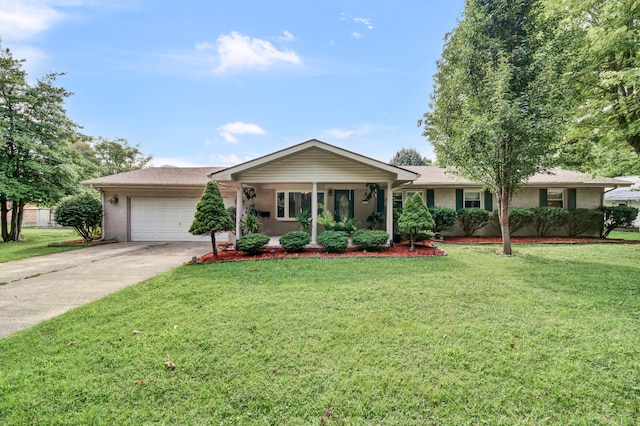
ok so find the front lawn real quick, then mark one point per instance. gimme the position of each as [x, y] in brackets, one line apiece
[550, 335]
[36, 243]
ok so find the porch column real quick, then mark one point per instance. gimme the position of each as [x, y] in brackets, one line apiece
[314, 213]
[239, 211]
[390, 211]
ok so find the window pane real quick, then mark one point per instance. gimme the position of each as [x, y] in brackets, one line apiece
[305, 205]
[320, 202]
[280, 203]
[471, 199]
[555, 198]
[294, 203]
[397, 200]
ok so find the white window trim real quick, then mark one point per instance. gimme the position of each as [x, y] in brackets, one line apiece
[286, 203]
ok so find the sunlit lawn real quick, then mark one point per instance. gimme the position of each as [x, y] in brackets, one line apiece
[548, 336]
[625, 235]
[36, 242]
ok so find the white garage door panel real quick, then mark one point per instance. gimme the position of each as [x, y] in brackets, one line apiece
[165, 219]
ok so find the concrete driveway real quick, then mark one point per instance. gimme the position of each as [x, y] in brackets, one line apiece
[36, 289]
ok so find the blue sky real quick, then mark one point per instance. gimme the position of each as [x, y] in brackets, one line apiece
[198, 82]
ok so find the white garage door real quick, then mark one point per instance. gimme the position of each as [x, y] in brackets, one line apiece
[165, 219]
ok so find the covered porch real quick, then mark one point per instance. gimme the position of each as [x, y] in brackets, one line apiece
[310, 178]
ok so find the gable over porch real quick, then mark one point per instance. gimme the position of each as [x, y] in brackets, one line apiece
[313, 176]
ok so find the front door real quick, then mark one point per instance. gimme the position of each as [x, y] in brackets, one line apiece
[343, 205]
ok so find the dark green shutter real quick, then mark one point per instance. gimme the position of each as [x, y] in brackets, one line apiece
[380, 207]
[431, 198]
[488, 201]
[572, 198]
[459, 199]
[543, 197]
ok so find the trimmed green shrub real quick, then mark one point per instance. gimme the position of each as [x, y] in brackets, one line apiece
[295, 241]
[547, 219]
[519, 217]
[415, 218]
[334, 241]
[368, 239]
[582, 221]
[444, 218]
[252, 243]
[472, 220]
[616, 217]
[83, 212]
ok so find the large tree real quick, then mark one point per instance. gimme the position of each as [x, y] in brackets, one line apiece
[494, 115]
[117, 156]
[604, 72]
[34, 151]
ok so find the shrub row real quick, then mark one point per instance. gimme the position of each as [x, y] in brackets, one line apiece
[544, 219]
[333, 241]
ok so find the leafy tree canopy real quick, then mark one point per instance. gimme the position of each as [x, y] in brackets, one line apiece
[408, 157]
[496, 111]
[34, 143]
[603, 74]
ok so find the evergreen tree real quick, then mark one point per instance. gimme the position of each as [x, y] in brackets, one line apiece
[211, 215]
[415, 218]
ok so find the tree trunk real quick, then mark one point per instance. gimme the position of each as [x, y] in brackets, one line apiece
[503, 209]
[4, 212]
[17, 211]
[213, 244]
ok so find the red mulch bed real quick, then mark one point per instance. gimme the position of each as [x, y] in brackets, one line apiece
[398, 250]
[533, 240]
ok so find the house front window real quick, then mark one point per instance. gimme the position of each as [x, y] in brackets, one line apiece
[291, 203]
[555, 198]
[397, 200]
[471, 199]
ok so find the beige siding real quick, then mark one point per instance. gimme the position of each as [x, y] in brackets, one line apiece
[315, 165]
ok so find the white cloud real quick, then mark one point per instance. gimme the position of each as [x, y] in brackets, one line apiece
[361, 21]
[21, 20]
[347, 133]
[285, 37]
[364, 21]
[237, 51]
[227, 131]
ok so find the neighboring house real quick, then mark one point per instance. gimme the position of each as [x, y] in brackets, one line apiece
[625, 196]
[158, 204]
[41, 217]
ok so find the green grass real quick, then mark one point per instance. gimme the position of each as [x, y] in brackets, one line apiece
[368, 341]
[36, 243]
[625, 235]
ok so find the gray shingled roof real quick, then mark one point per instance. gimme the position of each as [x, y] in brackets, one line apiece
[157, 176]
[429, 176]
[621, 194]
[436, 176]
